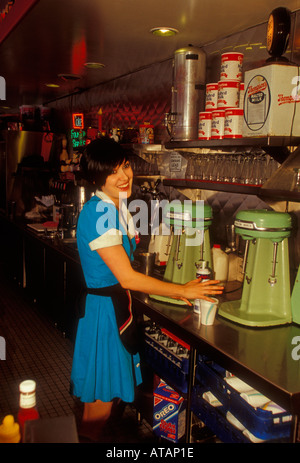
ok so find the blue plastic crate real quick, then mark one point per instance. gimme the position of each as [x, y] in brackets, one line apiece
[167, 364]
[261, 423]
[215, 419]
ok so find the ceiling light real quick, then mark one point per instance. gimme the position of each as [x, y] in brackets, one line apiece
[94, 65]
[164, 31]
[52, 85]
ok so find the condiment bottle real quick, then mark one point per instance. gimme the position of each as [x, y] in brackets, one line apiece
[205, 274]
[9, 431]
[27, 409]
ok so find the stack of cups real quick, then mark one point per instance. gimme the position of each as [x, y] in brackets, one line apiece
[223, 116]
[206, 310]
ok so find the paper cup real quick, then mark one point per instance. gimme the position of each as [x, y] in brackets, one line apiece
[208, 311]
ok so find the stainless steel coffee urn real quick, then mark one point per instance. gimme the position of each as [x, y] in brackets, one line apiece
[189, 74]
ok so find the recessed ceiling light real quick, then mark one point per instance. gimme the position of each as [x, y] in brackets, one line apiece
[52, 85]
[164, 31]
[94, 65]
[69, 76]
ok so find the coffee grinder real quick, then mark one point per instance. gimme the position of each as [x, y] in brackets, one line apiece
[189, 242]
[266, 297]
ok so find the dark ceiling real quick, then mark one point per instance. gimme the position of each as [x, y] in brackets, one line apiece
[58, 36]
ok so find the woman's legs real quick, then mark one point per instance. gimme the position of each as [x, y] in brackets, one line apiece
[95, 415]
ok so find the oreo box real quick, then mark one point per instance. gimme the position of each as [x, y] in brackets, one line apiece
[169, 412]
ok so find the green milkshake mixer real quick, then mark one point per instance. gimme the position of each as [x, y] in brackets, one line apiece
[189, 242]
[266, 298]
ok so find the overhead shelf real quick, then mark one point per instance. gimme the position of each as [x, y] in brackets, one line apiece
[215, 186]
[237, 142]
[280, 195]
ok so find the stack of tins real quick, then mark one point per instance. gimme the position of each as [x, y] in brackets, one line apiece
[223, 115]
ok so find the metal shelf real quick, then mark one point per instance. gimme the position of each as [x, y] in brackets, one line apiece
[279, 142]
[216, 186]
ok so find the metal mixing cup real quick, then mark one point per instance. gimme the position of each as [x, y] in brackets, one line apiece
[147, 260]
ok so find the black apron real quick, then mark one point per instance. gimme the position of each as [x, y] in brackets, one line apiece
[126, 319]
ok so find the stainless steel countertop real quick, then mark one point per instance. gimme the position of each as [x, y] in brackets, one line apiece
[262, 357]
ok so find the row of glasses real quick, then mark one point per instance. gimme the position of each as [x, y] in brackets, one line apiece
[148, 166]
[252, 168]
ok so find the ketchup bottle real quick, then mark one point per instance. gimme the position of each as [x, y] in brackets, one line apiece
[27, 406]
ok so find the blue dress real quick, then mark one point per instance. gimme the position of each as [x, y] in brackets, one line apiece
[102, 368]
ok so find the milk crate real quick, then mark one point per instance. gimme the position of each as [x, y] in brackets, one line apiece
[168, 356]
[262, 423]
[221, 422]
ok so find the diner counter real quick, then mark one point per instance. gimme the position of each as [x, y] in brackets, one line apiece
[262, 357]
[266, 358]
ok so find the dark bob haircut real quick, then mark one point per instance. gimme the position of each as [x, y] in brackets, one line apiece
[100, 158]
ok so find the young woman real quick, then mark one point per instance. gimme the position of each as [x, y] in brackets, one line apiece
[103, 369]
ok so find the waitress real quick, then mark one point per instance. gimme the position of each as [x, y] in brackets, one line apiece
[105, 366]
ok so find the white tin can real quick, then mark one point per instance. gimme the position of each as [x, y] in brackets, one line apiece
[231, 66]
[217, 124]
[228, 94]
[211, 97]
[233, 124]
[204, 127]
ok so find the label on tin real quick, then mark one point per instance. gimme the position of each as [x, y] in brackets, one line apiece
[228, 94]
[211, 99]
[233, 125]
[204, 127]
[217, 124]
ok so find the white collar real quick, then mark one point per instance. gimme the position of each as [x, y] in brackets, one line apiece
[104, 197]
[125, 215]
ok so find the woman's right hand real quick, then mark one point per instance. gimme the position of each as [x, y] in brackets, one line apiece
[197, 289]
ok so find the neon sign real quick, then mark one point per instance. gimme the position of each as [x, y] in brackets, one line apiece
[78, 121]
[78, 138]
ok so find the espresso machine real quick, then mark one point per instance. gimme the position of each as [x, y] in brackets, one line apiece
[266, 299]
[188, 242]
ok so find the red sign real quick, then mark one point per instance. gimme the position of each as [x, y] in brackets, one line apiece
[78, 122]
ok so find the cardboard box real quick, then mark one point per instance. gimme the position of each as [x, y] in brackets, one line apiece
[169, 413]
[271, 102]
